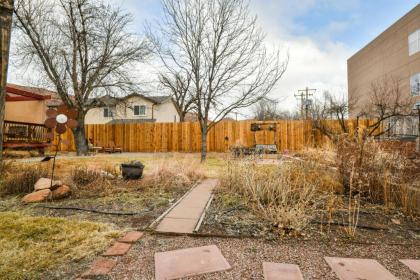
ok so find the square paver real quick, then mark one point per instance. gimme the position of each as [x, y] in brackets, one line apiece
[185, 213]
[356, 269]
[414, 265]
[131, 237]
[189, 262]
[281, 271]
[118, 249]
[177, 225]
[100, 267]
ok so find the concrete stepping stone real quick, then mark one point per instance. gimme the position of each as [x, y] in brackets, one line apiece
[357, 269]
[184, 217]
[177, 225]
[100, 267]
[281, 271]
[189, 262]
[414, 265]
[131, 237]
[118, 249]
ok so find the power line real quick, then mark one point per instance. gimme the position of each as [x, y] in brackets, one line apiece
[305, 100]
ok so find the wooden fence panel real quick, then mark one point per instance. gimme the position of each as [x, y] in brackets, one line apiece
[186, 137]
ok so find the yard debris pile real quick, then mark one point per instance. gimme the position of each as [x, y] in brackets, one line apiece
[44, 190]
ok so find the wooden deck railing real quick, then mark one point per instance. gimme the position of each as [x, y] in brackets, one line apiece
[19, 132]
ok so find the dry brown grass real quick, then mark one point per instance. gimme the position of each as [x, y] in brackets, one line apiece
[173, 175]
[380, 177]
[32, 245]
[20, 178]
[286, 195]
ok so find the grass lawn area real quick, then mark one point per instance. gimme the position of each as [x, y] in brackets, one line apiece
[33, 246]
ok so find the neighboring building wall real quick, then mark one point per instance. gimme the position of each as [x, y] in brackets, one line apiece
[166, 112]
[26, 111]
[161, 112]
[386, 56]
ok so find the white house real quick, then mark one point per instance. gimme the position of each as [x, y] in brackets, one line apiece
[133, 108]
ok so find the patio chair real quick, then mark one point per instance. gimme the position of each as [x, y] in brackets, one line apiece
[115, 148]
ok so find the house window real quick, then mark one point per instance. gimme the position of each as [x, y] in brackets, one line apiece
[108, 113]
[415, 84]
[414, 43]
[139, 110]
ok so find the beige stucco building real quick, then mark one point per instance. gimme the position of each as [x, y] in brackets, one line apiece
[394, 54]
[133, 108]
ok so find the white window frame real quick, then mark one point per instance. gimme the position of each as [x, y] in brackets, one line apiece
[415, 84]
[139, 110]
[109, 113]
[414, 43]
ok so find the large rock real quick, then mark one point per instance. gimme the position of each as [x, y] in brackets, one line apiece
[38, 196]
[61, 192]
[45, 183]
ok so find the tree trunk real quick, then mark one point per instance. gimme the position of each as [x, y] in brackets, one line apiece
[80, 136]
[204, 143]
[6, 11]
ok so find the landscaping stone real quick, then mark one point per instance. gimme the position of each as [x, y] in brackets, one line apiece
[281, 271]
[118, 249]
[131, 237]
[38, 196]
[189, 262]
[414, 265]
[45, 183]
[367, 269]
[100, 267]
[61, 192]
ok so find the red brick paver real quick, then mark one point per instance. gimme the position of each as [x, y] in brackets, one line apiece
[131, 237]
[188, 262]
[100, 267]
[414, 265]
[352, 269]
[281, 271]
[118, 249]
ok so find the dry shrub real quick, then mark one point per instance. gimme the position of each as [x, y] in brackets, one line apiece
[285, 195]
[377, 176]
[82, 176]
[20, 178]
[173, 174]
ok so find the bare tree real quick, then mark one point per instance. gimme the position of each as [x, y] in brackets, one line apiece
[332, 107]
[386, 101]
[219, 43]
[6, 12]
[179, 86]
[266, 109]
[82, 48]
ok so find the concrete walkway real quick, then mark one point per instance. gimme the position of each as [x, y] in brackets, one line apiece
[183, 218]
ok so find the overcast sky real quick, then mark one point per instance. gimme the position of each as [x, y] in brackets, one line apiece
[320, 36]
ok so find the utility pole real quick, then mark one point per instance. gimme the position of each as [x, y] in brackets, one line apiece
[6, 12]
[305, 101]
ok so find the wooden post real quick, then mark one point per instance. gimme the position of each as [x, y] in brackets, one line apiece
[6, 12]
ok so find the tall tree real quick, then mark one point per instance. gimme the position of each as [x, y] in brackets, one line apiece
[82, 48]
[179, 85]
[220, 44]
[6, 12]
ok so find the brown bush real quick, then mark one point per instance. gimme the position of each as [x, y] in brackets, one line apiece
[285, 195]
[377, 176]
[20, 178]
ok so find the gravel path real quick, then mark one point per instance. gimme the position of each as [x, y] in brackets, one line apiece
[246, 256]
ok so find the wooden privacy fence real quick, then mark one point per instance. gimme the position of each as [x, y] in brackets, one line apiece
[291, 135]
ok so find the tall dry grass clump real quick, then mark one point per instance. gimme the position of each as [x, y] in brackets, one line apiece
[286, 195]
[380, 177]
[173, 174]
[20, 178]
